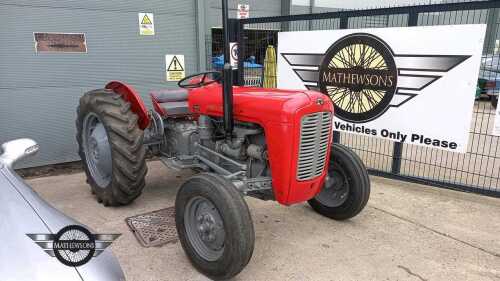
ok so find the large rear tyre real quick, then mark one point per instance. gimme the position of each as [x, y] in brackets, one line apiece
[111, 147]
[347, 188]
[214, 226]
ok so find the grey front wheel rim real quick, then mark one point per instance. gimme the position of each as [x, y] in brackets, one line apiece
[335, 191]
[97, 150]
[204, 228]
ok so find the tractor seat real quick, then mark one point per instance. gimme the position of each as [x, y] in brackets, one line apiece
[170, 95]
[171, 102]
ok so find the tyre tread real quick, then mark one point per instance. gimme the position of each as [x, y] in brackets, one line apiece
[350, 208]
[236, 207]
[127, 149]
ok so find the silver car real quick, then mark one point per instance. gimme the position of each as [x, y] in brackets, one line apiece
[22, 212]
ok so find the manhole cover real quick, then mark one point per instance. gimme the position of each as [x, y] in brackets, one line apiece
[154, 228]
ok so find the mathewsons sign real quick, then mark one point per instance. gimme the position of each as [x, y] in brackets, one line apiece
[409, 84]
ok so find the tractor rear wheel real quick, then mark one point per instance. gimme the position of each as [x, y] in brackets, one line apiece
[347, 188]
[214, 226]
[111, 147]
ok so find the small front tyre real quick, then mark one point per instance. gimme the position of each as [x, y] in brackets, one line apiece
[214, 226]
[347, 188]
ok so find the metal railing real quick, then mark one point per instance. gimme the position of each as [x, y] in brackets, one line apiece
[478, 170]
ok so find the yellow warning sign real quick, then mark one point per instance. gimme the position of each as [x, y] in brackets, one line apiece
[146, 20]
[175, 68]
[146, 24]
[175, 65]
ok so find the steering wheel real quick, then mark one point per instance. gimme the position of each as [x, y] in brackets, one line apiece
[200, 79]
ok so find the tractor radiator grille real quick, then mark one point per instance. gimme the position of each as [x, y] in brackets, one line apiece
[315, 129]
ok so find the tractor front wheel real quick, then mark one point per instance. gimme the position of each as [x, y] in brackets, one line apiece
[347, 188]
[214, 226]
[111, 147]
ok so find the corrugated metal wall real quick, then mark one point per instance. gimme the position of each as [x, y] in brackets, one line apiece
[39, 92]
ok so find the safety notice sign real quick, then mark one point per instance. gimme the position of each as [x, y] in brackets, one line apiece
[175, 67]
[243, 11]
[146, 24]
[233, 47]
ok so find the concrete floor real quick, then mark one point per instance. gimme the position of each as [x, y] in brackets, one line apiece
[407, 232]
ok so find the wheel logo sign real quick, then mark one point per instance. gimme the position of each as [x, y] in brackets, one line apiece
[363, 76]
[73, 245]
[359, 74]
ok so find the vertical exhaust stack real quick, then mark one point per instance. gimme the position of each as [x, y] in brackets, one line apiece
[228, 76]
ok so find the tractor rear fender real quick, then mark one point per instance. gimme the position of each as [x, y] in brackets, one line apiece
[137, 105]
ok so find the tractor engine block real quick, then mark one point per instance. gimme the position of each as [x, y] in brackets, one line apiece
[202, 145]
[179, 137]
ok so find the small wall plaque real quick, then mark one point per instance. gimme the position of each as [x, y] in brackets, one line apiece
[60, 42]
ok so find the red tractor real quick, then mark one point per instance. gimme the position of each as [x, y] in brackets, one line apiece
[265, 143]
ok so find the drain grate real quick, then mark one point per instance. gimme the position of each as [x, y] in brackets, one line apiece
[154, 228]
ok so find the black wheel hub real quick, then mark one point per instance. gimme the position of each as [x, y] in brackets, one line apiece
[336, 187]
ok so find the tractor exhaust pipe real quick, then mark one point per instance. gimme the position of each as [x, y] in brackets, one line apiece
[228, 76]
